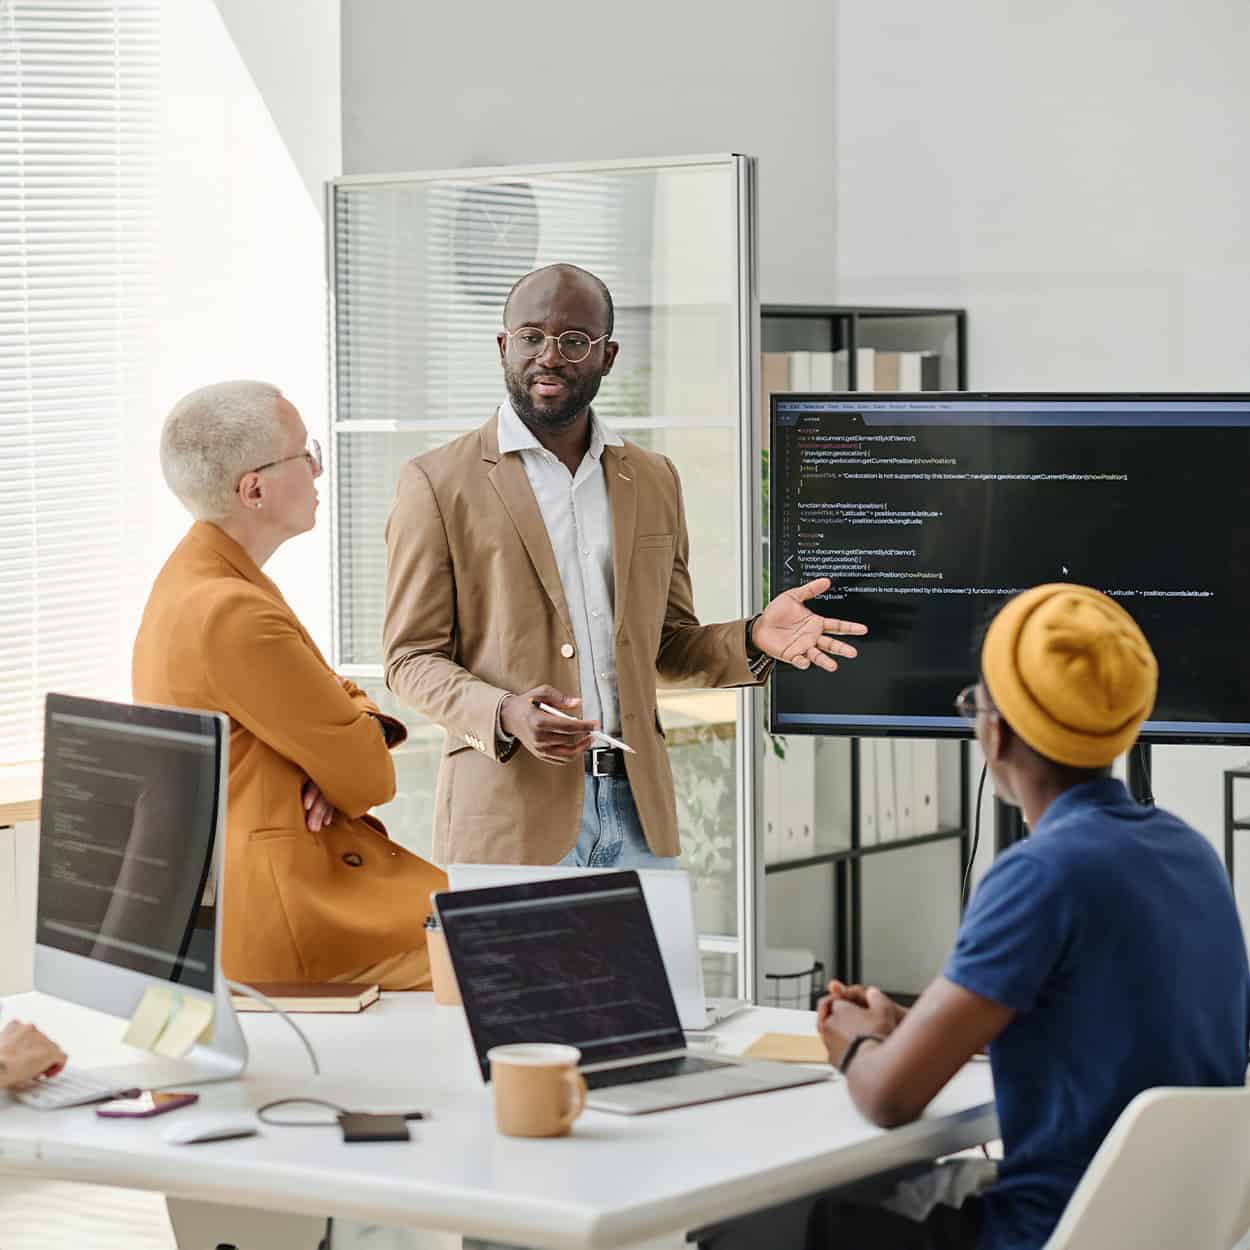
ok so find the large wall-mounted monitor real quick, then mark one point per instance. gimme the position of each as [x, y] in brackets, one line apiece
[929, 510]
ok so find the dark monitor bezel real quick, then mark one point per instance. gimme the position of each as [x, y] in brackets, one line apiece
[964, 730]
[53, 959]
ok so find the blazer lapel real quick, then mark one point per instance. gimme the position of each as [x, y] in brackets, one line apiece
[623, 502]
[517, 496]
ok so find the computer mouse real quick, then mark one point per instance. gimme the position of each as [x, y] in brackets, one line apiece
[210, 1126]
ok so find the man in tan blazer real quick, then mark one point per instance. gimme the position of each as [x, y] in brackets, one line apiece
[542, 558]
[313, 888]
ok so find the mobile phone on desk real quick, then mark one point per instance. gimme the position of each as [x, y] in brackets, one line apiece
[149, 1103]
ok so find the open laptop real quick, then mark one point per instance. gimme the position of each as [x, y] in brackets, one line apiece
[575, 960]
[668, 897]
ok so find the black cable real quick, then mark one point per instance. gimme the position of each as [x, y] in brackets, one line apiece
[1144, 764]
[976, 838]
[263, 1114]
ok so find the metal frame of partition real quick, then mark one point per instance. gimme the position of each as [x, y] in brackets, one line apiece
[748, 945]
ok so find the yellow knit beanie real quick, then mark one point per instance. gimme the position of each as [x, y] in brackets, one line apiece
[1071, 672]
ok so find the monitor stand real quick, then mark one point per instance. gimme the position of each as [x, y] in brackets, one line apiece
[220, 1058]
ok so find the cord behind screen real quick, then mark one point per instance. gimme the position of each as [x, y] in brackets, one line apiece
[976, 838]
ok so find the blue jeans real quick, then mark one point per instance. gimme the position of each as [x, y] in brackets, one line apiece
[611, 835]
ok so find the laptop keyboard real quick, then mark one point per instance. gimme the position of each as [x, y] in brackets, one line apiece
[660, 1068]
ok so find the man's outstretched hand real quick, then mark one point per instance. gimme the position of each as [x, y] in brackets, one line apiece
[789, 630]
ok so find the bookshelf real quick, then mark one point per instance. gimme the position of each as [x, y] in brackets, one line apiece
[817, 819]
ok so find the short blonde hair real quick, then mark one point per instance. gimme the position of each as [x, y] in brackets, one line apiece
[215, 435]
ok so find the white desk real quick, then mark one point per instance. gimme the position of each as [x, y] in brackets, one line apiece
[615, 1182]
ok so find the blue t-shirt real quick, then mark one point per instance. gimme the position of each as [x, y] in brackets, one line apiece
[1113, 935]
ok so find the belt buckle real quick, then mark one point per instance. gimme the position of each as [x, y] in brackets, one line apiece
[596, 754]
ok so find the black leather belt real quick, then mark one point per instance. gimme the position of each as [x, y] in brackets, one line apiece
[605, 762]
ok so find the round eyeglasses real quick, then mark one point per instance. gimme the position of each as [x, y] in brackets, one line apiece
[967, 706]
[311, 453]
[573, 345]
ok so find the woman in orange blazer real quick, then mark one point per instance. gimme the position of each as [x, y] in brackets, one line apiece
[313, 888]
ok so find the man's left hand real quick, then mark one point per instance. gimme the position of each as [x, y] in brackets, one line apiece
[843, 1016]
[788, 630]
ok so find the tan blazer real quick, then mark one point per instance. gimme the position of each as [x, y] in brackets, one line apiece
[217, 634]
[475, 610]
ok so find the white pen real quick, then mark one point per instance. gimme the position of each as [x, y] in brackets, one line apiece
[594, 733]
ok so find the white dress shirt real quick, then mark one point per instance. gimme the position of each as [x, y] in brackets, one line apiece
[575, 510]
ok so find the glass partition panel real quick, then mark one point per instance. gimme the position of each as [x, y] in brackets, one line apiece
[420, 268]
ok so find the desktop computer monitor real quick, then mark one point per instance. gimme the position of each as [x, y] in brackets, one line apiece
[130, 842]
[930, 510]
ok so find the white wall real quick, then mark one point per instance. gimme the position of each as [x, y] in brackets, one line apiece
[491, 84]
[292, 51]
[1077, 176]
[249, 131]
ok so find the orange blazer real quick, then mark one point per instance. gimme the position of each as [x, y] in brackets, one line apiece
[217, 634]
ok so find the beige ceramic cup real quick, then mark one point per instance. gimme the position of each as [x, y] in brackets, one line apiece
[538, 1090]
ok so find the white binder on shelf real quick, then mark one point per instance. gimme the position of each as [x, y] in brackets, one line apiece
[925, 784]
[904, 788]
[774, 844]
[867, 793]
[887, 811]
[865, 369]
[909, 378]
[798, 796]
[822, 371]
[800, 371]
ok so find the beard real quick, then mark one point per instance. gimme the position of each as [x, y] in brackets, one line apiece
[554, 414]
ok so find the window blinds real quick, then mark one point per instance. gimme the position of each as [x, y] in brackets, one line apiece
[79, 83]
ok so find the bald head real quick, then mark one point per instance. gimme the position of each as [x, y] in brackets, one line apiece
[569, 290]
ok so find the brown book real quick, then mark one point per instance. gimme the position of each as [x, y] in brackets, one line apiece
[327, 996]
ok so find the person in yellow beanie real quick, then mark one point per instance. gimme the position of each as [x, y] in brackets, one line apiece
[1101, 956]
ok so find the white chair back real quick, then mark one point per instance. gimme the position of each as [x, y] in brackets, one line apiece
[1173, 1172]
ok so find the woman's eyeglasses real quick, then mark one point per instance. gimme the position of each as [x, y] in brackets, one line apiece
[311, 453]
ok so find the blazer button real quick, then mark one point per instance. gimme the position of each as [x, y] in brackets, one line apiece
[353, 859]
[567, 650]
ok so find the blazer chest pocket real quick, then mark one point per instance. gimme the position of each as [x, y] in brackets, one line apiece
[654, 540]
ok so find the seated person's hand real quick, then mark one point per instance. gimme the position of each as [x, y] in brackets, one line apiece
[848, 1010]
[553, 739]
[26, 1054]
[318, 812]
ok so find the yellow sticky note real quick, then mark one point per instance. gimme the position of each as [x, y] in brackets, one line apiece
[186, 1028]
[151, 1016]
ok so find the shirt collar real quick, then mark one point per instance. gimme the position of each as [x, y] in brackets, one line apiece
[515, 435]
[1101, 792]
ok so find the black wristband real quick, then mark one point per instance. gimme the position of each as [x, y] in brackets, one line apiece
[853, 1049]
[752, 649]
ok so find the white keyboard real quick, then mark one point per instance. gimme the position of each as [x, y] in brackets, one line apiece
[74, 1089]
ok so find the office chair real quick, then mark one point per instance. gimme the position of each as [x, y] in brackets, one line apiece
[1173, 1172]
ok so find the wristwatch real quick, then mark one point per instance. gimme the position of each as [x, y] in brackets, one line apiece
[853, 1049]
[759, 662]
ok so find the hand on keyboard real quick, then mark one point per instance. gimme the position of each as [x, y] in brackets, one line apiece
[26, 1054]
[70, 1089]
